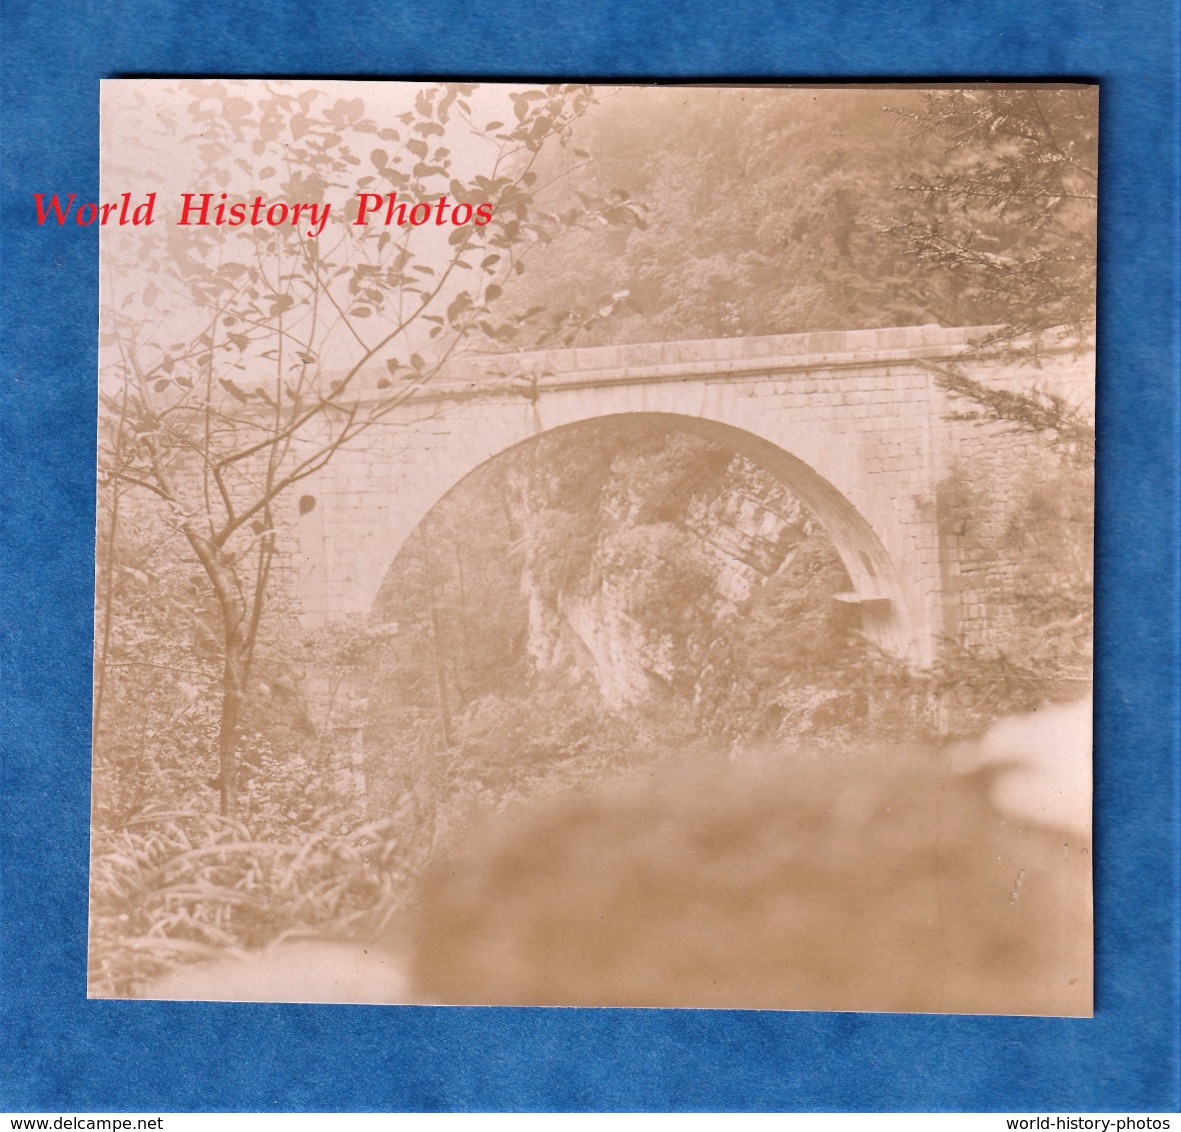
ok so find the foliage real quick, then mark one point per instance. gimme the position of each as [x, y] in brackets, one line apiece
[764, 213]
[156, 671]
[1008, 223]
[239, 361]
[1068, 426]
[1045, 654]
[174, 886]
[157, 681]
[513, 746]
[793, 664]
[1009, 213]
[770, 212]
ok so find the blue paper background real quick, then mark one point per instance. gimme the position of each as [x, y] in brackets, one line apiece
[60, 1052]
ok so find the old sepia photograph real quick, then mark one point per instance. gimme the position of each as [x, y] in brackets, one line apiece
[566, 545]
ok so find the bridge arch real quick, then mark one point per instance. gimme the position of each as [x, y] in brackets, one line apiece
[854, 420]
[877, 587]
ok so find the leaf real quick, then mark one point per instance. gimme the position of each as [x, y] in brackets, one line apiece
[235, 391]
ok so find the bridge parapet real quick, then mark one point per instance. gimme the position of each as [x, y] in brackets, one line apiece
[513, 373]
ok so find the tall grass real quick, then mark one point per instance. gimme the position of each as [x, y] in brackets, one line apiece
[178, 886]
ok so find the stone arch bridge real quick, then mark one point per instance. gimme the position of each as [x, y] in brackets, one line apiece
[854, 422]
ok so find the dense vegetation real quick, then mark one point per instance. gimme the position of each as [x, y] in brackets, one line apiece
[772, 212]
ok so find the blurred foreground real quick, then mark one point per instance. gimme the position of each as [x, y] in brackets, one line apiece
[954, 881]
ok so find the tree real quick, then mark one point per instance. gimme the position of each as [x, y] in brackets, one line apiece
[1007, 229]
[1009, 214]
[241, 354]
[764, 213]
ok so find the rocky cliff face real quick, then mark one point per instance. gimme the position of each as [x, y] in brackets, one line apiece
[658, 576]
